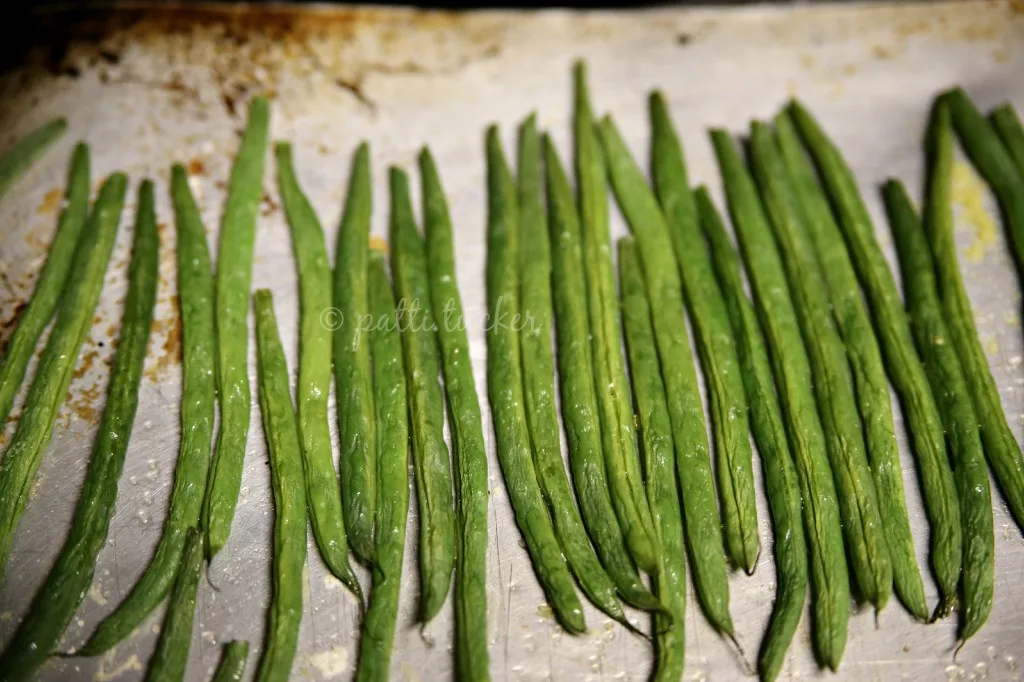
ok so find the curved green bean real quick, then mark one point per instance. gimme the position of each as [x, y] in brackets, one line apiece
[322, 492]
[1007, 125]
[50, 285]
[469, 454]
[829, 577]
[68, 580]
[579, 402]
[505, 389]
[171, 654]
[953, 397]
[281, 430]
[392, 476]
[26, 150]
[232, 664]
[766, 422]
[703, 526]
[656, 440]
[195, 299]
[426, 401]
[234, 277]
[352, 372]
[715, 345]
[622, 462]
[57, 363]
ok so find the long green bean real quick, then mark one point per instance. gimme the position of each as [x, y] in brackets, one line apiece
[611, 385]
[715, 345]
[234, 276]
[505, 389]
[469, 455]
[26, 150]
[195, 298]
[769, 429]
[171, 654]
[426, 401]
[232, 663]
[689, 434]
[953, 398]
[579, 402]
[352, 371]
[60, 595]
[50, 285]
[57, 364]
[829, 577]
[392, 476]
[1007, 125]
[322, 492]
[656, 439]
[872, 390]
[281, 430]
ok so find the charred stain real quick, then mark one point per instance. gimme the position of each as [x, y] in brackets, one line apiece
[196, 167]
[684, 39]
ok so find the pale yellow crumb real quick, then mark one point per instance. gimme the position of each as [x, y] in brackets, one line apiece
[378, 244]
[969, 196]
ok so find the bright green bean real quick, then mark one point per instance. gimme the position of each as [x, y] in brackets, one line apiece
[26, 150]
[1007, 125]
[829, 577]
[50, 285]
[57, 364]
[505, 389]
[281, 430]
[232, 664]
[171, 655]
[234, 276]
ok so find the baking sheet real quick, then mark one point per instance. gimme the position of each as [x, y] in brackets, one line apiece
[150, 86]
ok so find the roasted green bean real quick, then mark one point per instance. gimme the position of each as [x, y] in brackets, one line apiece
[232, 663]
[26, 150]
[1007, 125]
[171, 654]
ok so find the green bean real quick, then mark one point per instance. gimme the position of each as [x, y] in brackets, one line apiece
[322, 493]
[56, 601]
[611, 385]
[539, 379]
[50, 285]
[715, 344]
[234, 276]
[703, 526]
[769, 429]
[392, 476]
[954, 401]
[232, 664]
[579, 402]
[833, 387]
[281, 430]
[426, 401]
[656, 440]
[469, 453]
[897, 344]
[829, 577]
[26, 150]
[171, 654]
[352, 372]
[195, 296]
[57, 364]
[505, 389]
[1011, 132]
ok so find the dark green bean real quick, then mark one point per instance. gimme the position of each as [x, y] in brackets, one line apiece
[195, 299]
[426, 401]
[352, 372]
[469, 455]
[872, 390]
[829, 577]
[693, 461]
[322, 493]
[56, 601]
[622, 463]
[1007, 125]
[715, 345]
[656, 443]
[833, 386]
[26, 150]
[579, 402]
[766, 421]
[57, 364]
[392, 476]
[234, 276]
[232, 664]
[281, 430]
[953, 397]
[505, 389]
[50, 285]
[171, 655]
